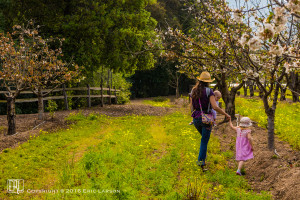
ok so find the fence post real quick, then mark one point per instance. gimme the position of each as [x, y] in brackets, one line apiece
[65, 97]
[89, 95]
[116, 100]
[108, 84]
[101, 85]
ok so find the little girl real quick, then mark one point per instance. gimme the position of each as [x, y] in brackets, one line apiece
[244, 142]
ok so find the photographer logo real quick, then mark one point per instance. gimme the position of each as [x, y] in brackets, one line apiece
[15, 186]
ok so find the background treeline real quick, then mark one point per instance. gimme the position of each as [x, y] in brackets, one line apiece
[159, 81]
[105, 37]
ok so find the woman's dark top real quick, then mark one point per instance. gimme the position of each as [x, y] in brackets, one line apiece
[204, 103]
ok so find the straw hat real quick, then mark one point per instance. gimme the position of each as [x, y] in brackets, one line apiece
[205, 77]
[245, 122]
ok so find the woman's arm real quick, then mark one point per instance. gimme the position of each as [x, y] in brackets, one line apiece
[191, 104]
[250, 140]
[213, 103]
[230, 123]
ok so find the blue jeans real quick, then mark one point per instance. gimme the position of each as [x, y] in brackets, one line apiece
[204, 131]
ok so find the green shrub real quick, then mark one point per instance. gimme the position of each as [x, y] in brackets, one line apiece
[52, 106]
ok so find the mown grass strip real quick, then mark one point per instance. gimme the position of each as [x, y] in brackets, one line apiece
[287, 118]
[152, 157]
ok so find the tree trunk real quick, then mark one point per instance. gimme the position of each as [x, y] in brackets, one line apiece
[282, 93]
[11, 116]
[271, 124]
[228, 97]
[294, 85]
[230, 105]
[177, 86]
[245, 86]
[251, 89]
[261, 94]
[40, 105]
[271, 118]
[177, 92]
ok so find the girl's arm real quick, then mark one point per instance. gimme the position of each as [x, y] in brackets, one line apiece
[213, 103]
[233, 127]
[250, 140]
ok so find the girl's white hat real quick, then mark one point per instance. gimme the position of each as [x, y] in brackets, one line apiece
[245, 122]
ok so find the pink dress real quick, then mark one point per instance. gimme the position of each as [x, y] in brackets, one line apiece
[243, 146]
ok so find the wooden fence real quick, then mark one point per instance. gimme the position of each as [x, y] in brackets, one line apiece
[111, 94]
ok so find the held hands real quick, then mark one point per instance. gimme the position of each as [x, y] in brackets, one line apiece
[227, 117]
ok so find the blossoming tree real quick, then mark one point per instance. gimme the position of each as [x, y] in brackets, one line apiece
[242, 45]
[27, 62]
[207, 47]
[270, 50]
[46, 70]
[13, 74]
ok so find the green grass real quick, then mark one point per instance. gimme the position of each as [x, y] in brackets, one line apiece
[288, 93]
[131, 157]
[158, 102]
[287, 118]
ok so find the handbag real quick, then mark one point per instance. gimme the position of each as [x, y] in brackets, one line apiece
[206, 118]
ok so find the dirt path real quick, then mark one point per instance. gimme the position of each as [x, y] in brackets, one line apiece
[280, 175]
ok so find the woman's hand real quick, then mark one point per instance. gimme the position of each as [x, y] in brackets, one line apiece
[227, 117]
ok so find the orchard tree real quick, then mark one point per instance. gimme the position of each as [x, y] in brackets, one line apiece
[227, 42]
[27, 62]
[271, 50]
[14, 62]
[206, 47]
[46, 70]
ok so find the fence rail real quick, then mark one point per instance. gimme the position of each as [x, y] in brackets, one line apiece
[65, 96]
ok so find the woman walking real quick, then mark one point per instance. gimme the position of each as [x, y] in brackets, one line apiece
[203, 100]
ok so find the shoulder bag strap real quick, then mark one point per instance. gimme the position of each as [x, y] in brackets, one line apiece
[207, 94]
[200, 106]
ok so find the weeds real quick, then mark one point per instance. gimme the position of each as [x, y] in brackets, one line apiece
[160, 102]
[131, 157]
[286, 118]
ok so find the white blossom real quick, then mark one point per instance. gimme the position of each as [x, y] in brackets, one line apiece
[237, 17]
[276, 50]
[279, 20]
[287, 67]
[266, 32]
[279, 11]
[254, 43]
[279, 28]
[243, 39]
[294, 6]
[292, 51]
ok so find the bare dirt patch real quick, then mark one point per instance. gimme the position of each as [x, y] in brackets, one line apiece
[278, 174]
